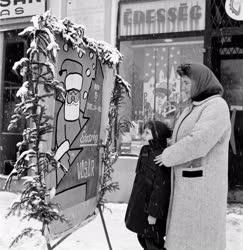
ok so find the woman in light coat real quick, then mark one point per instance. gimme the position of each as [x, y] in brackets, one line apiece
[198, 159]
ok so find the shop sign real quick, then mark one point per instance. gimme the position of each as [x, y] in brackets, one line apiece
[164, 16]
[234, 10]
[21, 8]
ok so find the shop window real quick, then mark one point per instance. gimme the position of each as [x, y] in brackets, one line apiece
[232, 80]
[14, 51]
[157, 93]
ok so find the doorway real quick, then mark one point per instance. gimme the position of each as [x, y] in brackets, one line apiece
[231, 76]
[14, 49]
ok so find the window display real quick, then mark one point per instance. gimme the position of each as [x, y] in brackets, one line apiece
[150, 66]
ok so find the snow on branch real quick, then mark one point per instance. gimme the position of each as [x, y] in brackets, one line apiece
[126, 85]
[73, 34]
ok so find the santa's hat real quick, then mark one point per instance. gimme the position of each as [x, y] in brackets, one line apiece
[74, 74]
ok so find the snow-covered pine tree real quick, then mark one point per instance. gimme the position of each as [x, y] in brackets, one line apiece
[38, 71]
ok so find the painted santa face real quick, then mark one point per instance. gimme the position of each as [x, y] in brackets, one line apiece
[147, 135]
[73, 96]
[74, 83]
[72, 105]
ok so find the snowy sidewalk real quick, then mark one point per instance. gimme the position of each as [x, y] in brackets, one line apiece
[92, 236]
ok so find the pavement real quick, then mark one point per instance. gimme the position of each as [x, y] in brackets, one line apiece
[92, 236]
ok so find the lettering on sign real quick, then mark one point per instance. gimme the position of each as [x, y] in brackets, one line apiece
[162, 17]
[89, 138]
[85, 169]
[21, 8]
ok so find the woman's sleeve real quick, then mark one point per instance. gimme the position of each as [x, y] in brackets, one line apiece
[211, 126]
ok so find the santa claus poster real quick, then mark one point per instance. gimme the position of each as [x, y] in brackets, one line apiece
[78, 130]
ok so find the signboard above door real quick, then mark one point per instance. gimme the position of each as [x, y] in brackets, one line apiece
[21, 8]
[165, 16]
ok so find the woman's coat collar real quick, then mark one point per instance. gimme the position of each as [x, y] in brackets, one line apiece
[195, 103]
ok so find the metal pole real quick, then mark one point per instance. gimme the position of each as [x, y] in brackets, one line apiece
[60, 241]
[48, 246]
[104, 226]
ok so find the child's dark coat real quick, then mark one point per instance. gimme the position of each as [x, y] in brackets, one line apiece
[150, 194]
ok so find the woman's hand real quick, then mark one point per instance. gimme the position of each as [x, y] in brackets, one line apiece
[151, 220]
[158, 160]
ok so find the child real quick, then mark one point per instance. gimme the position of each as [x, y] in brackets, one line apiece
[148, 205]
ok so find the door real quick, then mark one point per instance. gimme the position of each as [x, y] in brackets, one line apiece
[14, 50]
[232, 79]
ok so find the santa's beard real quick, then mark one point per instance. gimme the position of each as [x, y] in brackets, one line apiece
[71, 111]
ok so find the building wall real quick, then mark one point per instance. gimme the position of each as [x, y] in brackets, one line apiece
[124, 174]
[57, 7]
[97, 16]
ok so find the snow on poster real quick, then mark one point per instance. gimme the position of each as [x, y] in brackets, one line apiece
[77, 129]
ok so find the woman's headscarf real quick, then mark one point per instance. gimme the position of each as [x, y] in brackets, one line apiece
[206, 84]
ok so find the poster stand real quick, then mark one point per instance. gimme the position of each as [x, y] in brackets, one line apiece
[49, 247]
[64, 102]
[104, 226]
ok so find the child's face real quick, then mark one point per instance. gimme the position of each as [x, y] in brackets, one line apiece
[147, 135]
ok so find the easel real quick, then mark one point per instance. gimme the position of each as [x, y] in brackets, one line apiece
[48, 244]
[104, 226]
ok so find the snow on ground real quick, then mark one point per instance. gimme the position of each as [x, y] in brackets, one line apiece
[92, 236]
[235, 227]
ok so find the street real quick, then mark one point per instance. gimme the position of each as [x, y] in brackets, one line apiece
[92, 236]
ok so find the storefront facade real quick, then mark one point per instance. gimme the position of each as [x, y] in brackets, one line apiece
[224, 55]
[15, 15]
[157, 36]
